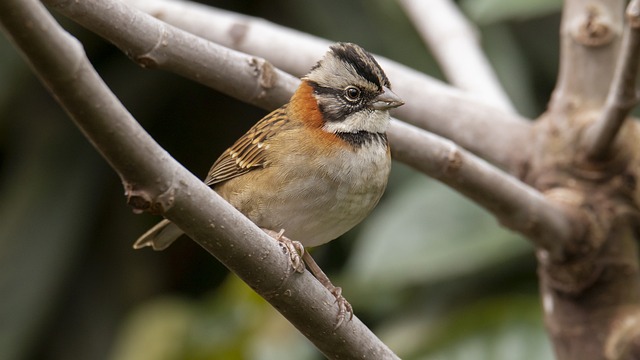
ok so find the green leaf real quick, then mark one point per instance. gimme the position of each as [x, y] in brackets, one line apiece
[424, 233]
[495, 328]
[155, 331]
[232, 323]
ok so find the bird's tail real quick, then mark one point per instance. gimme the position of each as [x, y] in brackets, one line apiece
[160, 236]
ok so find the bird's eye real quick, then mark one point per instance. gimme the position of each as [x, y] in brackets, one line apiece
[352, 93]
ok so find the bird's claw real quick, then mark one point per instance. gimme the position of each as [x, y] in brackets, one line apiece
[345, 310]
[294, 248]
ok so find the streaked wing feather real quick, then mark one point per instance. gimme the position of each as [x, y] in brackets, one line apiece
[249, 152]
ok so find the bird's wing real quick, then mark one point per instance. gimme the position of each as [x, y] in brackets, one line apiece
[250, 151]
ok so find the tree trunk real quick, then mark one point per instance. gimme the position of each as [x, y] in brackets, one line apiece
[590, 295]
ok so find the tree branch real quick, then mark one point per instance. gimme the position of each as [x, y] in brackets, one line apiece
[587, 30]
[622, 95]
[154, 44]
[430, 104]
[59, 61]
[516, 205]
[454, 43]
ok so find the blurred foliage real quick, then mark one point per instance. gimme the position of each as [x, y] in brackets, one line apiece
[431, 273]
[485, 12]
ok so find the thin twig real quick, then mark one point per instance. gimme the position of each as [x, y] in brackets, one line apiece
[623, 93]
[454, 43]
[515, 204]
[59, 61]
[429, 104]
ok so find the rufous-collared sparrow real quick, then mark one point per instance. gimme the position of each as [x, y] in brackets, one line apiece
[315, 167]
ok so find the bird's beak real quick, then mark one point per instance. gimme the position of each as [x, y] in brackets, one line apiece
[387, 100]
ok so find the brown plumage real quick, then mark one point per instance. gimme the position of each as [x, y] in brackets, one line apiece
[250, 151]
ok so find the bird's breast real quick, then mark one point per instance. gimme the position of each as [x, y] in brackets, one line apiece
[336, 194]
[314, 199]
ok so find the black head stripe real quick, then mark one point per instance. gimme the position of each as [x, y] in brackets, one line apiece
[364, 64]
[319, 89]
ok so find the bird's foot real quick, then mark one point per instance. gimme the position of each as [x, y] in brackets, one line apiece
[298, 258]
[345, 310]
[294, 248]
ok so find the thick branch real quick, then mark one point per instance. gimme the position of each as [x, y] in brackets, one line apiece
[59, 61]
[515, 204]
[623, 92]
[430, 104]
[154, 44]
[454, 43]
[518, 206]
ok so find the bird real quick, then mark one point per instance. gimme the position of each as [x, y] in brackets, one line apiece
[314, 168]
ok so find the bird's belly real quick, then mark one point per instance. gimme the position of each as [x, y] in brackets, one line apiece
[313, 202]
[312, 207]
[322, 213]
